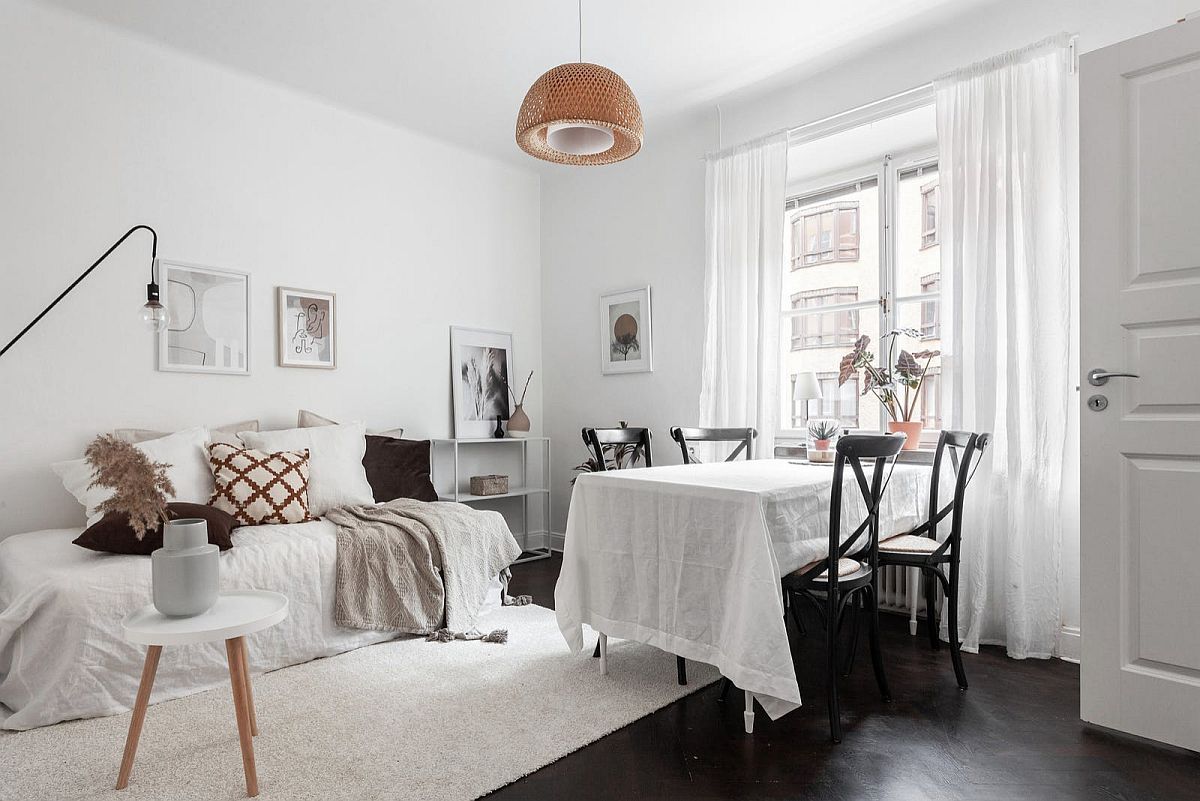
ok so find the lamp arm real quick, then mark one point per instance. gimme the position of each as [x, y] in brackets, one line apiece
[86, 273]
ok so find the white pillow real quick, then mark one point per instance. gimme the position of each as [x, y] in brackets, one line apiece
[183, 450]
[307, 419]
[226, 434]
[335, 453]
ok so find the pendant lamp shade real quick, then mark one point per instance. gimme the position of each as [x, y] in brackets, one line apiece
[580, 114]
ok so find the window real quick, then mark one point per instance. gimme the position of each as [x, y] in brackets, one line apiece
[930, 285]
[892, 281]
[929, 218]
[825, 234]
[826, 329]
[838, 403]
[931, 400]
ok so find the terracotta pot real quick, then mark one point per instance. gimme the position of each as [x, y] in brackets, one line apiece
[911, 429]
[821, 444]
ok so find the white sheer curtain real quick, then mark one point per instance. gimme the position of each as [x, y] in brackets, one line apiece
[745, 190]
[1004, 148]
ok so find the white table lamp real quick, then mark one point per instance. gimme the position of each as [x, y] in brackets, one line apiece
[806, 388]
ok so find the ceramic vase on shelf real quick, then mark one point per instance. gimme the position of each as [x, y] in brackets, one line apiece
[911, 429]
[518, 422]
[185, 571]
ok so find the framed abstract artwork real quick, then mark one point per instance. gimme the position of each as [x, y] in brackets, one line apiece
[307, 328]
[481, 364]
[626, 344]
[208, 319]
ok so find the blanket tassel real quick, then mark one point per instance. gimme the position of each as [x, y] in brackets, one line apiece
[446, 635]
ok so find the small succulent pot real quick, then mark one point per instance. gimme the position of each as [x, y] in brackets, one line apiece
[185, 572]
[822, 435]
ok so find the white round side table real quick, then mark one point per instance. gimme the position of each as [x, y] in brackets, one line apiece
[232, 617]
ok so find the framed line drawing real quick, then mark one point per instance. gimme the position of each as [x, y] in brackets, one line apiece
[307, 328]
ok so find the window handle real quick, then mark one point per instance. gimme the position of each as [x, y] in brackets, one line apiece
[1098, 377]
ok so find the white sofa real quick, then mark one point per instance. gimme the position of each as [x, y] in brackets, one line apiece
[62, 655]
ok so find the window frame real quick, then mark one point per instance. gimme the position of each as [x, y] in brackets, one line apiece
[886, 172]
[836, 312]
[935, 239]
[836, 251]
[936, 326]
[822, 377]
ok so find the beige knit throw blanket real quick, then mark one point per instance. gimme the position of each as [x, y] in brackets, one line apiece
[417, 567]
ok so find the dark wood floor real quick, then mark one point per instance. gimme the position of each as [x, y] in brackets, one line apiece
[1014, 735]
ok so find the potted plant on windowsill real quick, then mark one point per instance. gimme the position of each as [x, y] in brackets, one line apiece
[897, 384]
[822, 434]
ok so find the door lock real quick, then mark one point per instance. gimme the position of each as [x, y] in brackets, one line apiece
[1097, 403]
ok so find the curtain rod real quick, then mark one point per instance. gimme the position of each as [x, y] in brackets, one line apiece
[899, 102]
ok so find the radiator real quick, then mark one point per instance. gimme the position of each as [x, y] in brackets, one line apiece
[902, 592]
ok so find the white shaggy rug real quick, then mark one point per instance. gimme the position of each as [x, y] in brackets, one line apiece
[401, 720]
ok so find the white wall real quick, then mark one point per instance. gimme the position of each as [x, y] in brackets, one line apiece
[634, 223]
[643, 221]
[101, 130]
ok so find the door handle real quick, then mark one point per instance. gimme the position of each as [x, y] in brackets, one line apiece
[1098, 377]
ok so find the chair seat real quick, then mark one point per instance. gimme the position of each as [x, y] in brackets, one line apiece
[909, 543]
[846, 567]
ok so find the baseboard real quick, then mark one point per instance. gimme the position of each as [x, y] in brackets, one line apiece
[1070, 646]
[533, 539]
[557, 541]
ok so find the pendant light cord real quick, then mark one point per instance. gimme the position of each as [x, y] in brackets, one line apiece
[580, 31]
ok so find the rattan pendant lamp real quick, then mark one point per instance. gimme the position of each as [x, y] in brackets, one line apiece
[580, 114]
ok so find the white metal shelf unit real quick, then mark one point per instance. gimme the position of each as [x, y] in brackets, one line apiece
[457, 492]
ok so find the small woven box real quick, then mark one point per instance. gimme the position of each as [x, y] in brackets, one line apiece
[489, 485]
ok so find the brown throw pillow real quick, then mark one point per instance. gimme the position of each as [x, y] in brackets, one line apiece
[258, 487]
[112, 534]
[398, 468]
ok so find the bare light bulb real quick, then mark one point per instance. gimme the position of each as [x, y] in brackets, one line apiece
[154, 314]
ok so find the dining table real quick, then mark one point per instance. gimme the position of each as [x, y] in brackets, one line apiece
[689, 559]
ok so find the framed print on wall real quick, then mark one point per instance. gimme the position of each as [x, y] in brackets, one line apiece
[307, 328]
[626, 344]
[208, 319]
[481, 363]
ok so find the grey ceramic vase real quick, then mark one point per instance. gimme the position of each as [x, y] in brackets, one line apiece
[184, 571]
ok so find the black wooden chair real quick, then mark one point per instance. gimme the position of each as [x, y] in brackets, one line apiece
[597, 439]
[920, 547]
[686, 436]
[854, 560]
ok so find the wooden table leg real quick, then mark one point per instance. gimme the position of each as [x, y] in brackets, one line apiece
[249, 688]
[234, 651]
[139, 715]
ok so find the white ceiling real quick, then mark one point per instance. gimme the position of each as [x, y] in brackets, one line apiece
[458, 69]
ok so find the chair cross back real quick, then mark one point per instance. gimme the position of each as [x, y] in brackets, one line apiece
[743, 436]
[963, 467]
[597, 438]
[852, 450]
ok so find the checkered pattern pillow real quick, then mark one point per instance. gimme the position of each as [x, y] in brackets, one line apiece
[257, 487]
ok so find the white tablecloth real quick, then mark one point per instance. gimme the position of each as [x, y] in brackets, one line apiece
[689, 558]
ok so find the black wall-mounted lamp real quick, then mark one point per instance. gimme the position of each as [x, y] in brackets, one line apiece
[153, 314]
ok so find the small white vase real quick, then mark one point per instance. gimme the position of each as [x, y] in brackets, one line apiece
[185, 571]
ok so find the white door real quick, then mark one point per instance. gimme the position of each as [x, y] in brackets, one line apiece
[1140, 313]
